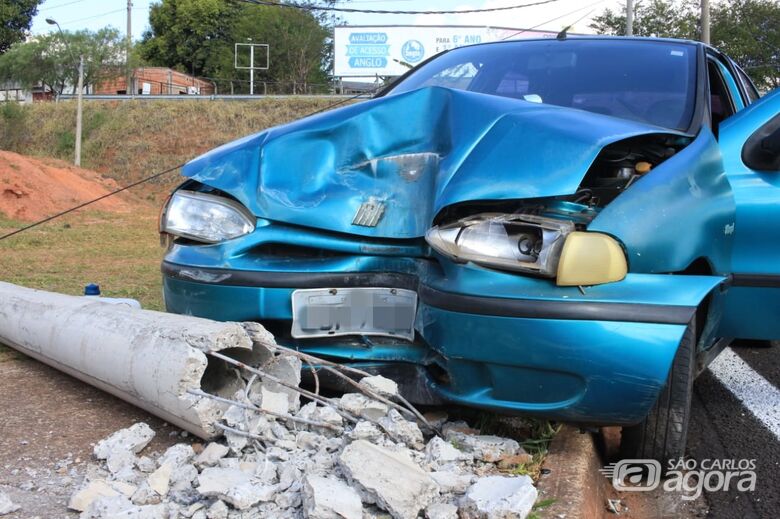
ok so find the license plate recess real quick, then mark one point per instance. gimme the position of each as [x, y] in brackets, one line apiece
[330, 312]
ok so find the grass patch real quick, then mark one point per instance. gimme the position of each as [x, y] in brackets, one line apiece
[121, 252]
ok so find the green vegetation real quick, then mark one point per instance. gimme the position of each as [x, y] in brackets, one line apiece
[121, 252]
[198, 37]
[15, 20]
[132, 139]
[746, 30]
[52, 59]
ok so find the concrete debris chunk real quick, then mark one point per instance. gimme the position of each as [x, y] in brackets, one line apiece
[330, 498]
[402, 429]
[278, 403]
[120, 460]
[218, 510]
[366, 431]
[177, 455]
[145, 464]
[485, 448]
[6, 505]
[389, 479]
[211, 455]
[499, 497]
[441, 511]
[287, 368]
[89, 492]
[160, 479]
[108, 506]
[439, 451]
[359, 404]
[234, 487]
[380, 385]
[132, 439]
[451, 482]
[313, 412]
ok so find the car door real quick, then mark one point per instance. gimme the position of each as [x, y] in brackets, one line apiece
[750, 145]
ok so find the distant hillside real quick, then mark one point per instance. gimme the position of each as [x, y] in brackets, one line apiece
[131, 139]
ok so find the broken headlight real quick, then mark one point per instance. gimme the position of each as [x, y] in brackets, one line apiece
[205, 218]
[519, 242]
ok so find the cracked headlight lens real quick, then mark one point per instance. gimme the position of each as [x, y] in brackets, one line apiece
[518, 242]
[205, 218]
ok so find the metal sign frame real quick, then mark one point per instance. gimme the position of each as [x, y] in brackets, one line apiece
[252, 47]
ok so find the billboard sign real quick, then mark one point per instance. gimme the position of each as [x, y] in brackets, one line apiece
[363, 51]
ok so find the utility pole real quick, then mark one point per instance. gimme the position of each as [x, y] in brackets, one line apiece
[629, 17]
[79, 94]
[705, 21]
[129, 85]
[77, 160]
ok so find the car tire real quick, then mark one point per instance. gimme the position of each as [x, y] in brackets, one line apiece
[662, 435]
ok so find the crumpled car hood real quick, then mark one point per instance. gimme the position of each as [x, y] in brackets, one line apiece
[415, 153]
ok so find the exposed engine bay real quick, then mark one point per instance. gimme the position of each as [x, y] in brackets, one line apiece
[621, 164]
[614, 170]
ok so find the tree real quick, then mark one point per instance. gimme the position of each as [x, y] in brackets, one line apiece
[662, 18]
[15, 20]
[198, 37]
[746, 30]
[52, 60]
[190, 35]
[749, 32]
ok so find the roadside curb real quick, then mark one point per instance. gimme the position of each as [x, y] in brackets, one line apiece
[573, 480]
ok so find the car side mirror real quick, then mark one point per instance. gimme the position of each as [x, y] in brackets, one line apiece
[762, 150]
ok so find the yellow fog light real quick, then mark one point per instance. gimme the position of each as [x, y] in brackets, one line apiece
[590, 258]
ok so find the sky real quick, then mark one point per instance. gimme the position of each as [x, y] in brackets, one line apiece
[75, 15]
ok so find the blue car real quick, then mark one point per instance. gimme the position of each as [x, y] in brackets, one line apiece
[569, 228]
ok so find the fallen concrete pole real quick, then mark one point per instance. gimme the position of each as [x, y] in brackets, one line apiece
[151, 359]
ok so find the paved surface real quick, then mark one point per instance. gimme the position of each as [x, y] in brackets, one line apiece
[735, 416]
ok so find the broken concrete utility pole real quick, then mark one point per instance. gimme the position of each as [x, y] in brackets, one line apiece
[151, 359]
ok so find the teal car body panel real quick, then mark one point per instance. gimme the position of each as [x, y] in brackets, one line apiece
[331, 163]
[497, 340]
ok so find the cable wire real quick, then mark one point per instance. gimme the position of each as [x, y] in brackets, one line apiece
[384, 11]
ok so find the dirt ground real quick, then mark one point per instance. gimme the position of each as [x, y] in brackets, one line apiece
[49, 423]
[32, 189]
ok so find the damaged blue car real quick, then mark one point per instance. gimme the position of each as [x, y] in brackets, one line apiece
[569, 228]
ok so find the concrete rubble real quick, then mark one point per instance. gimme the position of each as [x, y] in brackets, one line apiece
[6, 505]
[293, 469]
[273, 448]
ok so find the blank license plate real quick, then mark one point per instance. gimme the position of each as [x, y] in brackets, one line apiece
[328, 312]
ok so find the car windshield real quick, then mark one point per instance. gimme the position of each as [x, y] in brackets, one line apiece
[649, 81]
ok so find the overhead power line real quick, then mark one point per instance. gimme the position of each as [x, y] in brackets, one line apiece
[383, 11]
[49, 8]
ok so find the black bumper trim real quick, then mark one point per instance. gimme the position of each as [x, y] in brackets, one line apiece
[564, 310]
[479, 305]
[250, 278]
[755, 280]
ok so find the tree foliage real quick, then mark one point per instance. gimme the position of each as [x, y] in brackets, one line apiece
[746, 30]
[199, 37]
[15, 20]
[52, 60]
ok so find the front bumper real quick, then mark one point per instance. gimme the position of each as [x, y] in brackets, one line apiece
[487, 339]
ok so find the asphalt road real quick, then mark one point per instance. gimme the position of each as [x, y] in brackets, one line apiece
[735, 416]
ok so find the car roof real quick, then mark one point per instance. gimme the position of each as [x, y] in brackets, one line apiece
[601, 37]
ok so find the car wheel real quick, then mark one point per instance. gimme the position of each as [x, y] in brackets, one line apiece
[662, 434]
